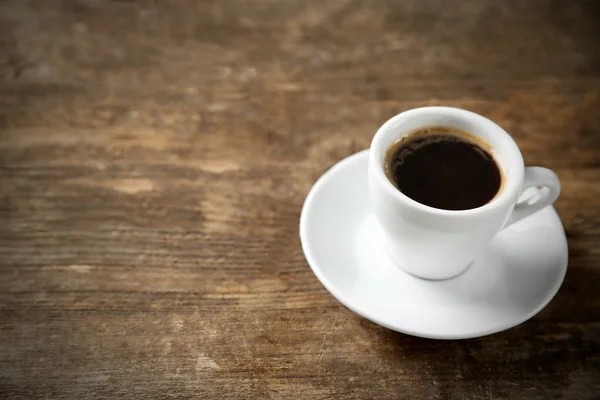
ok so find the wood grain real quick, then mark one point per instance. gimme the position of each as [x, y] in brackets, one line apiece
[155, 155]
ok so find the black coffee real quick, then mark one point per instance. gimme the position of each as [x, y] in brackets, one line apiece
[443, 168]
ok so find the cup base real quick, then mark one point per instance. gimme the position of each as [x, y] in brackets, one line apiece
[428, 277]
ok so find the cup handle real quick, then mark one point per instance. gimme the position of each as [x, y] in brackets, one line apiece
[535, 177]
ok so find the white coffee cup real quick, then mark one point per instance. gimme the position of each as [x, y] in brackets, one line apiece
[433, 243]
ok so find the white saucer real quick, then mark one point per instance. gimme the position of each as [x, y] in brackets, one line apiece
[517, 275]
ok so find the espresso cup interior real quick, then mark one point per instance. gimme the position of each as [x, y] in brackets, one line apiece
[499, 143]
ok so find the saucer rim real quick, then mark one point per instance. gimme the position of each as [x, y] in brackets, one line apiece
[331, 287]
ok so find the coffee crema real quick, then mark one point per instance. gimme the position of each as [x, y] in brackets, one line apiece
[444, 168]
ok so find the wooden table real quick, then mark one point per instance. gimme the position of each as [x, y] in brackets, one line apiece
[155, 155]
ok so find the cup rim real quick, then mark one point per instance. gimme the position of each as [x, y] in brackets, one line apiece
[511, 189]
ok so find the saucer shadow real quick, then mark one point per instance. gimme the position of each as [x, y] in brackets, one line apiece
[577, 301]
[549, 354]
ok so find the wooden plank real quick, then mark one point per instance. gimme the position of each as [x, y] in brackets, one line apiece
[155, 155]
